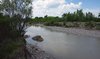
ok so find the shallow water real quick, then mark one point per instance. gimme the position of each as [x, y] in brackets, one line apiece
[65, 45]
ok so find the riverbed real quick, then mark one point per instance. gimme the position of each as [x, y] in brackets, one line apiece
[63, 45]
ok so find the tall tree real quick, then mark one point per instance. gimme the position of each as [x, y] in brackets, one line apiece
[12, 7]
[89, 16]
[99, 15]
[19, 10]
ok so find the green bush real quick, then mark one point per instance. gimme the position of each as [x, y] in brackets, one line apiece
[97, 26]
[89, 25]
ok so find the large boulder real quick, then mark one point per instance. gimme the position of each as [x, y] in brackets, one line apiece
[38, 38]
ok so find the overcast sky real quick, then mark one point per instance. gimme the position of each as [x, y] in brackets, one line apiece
[58, 7]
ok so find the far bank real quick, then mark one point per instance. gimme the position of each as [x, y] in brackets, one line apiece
[77, 31]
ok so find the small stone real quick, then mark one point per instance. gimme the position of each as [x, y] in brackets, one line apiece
[26, 36]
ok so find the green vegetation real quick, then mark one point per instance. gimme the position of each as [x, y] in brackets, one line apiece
[77, 16]
[75, 19]
[14, 15]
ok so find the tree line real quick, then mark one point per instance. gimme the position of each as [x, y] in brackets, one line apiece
[77, 16]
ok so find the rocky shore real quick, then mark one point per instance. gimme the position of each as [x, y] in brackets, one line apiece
[37, 53]
[77, 31]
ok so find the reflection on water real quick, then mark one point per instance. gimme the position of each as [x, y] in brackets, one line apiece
[65, 46]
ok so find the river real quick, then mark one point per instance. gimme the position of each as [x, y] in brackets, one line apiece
[65, 45]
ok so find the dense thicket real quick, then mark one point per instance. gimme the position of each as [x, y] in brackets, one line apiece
[14, 15]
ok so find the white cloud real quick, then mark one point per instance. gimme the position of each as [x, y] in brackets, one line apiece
[53, 7]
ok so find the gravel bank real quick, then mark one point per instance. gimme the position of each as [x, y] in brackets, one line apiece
[92, 33]
[37, 53]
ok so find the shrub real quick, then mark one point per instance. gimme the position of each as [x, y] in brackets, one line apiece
[97, 26]
[89, 25]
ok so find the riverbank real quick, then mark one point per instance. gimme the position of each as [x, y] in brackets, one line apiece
[37, 53]
[77, 31]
